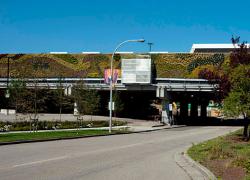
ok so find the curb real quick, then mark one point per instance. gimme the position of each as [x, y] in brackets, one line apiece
[55, 139]
[150, 130]
[87, 136]
[193, 169]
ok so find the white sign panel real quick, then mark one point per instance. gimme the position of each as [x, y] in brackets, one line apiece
[113, 106]
[136, 71]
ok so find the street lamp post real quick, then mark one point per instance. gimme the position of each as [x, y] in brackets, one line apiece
[7, 94]
[111, 79]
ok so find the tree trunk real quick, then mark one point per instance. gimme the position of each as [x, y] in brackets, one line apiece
[60, 111]
[245, 131]
[248, 135]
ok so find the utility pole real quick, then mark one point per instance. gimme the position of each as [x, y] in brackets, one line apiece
[150, 44]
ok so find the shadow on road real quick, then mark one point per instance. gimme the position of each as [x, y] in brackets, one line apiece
[211, 122]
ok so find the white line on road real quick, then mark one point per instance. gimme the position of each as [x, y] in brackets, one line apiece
[39, 162]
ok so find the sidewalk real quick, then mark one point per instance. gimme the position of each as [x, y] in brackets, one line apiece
[134, 125]
[152, 128]
[56, 117]
[133, 128]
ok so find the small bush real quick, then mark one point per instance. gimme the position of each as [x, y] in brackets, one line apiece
[215, 59]
[242, 161]
[67, 57]
[220, 152]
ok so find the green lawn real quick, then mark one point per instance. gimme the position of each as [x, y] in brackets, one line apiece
[12, 137]
[227, 156]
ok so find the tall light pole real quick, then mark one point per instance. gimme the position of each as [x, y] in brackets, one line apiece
[7, 94]
[111, 79]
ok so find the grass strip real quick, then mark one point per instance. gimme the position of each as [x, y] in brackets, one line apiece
[226, 156]
[13, 137]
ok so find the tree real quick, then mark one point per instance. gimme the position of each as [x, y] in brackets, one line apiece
[93, 101]
[23, 98]
[60, 97]
[233, 79]
[28, 101]
[37, 97]
[238, 100]
[119, 105]
[18, 92]
[87, 100]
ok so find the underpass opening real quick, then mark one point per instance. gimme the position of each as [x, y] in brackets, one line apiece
[130, 104]
[192, 108]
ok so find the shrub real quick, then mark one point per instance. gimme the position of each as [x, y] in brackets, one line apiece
[195, 73]
[215, 59]
[96, 57]
[67, 57]
[242, 161]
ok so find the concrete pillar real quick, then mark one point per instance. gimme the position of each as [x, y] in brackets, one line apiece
[184, 109]
[165, 110]
[160, 92]
[199, 110]
[204, 105]
[68, 91]
[194, 110]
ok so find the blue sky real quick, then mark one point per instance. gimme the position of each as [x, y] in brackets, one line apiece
[34, 26]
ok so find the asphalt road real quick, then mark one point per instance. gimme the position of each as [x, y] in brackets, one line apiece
[134, 156]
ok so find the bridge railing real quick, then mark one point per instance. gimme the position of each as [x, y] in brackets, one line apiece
[176, 84]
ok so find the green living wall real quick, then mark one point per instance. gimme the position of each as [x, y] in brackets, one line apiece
[179, 65]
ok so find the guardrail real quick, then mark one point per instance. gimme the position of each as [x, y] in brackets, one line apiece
[170, 84]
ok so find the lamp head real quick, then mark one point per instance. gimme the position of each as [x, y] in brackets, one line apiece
[141, 40]
[136, 40]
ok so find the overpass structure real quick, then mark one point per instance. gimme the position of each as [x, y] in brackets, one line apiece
[185, 91]
[158, 85]
[136, 83]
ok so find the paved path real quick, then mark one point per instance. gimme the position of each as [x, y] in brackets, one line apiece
[149, 155]
[64, 117]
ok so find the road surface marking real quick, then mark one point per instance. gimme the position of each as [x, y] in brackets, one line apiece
[41, 161]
